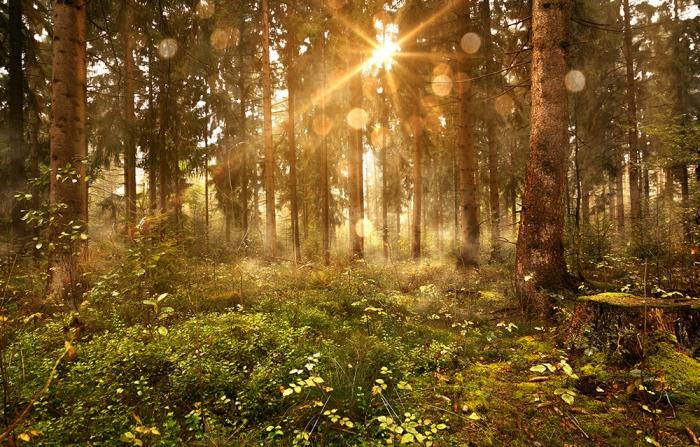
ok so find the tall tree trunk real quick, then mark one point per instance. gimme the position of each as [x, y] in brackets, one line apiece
[417, 185]
[15, 172]
[619, 194]
[68, 151]
[244, 147]
[291, 88]
[152, 143]
[632, 130]
[540, 262]
[163, 126]
[491, 67]
[325, 192]
[130, 140]
[270, 218]
[468, 252]
[385, 170]
[355, 173]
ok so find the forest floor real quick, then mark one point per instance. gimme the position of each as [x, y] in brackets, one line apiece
[172, 352]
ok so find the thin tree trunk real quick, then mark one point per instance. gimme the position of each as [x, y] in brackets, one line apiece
[270, 218]
[491, 67]
[540, 262]
[244, 147]
[632, 131]
[325, 193]
[152, 143]
[355, 174]
[619, 195]
[291, 88]
[68, 151]
[130, 140]
[16, 173]
[417, 185]
[385, 170]
[468, 252]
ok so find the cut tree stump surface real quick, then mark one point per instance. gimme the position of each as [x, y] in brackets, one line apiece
[626, 300]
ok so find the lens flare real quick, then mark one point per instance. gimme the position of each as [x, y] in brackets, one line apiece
[442, 85]
[357, 118]
[575, 81]
[470, 43]
[379, 137]
[167, 48]
[504, 105]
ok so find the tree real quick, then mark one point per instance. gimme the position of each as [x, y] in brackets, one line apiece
[292, 154]
[467, 164]
[540, 262]
[68, 185]
[632, 125]
[15, 173]
[130, 140]
[270, 222]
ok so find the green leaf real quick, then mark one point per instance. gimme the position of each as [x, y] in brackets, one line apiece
[407, 438]
[538, 368]
[162, 330]
[568, 398]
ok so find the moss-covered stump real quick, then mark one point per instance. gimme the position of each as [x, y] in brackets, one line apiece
[624, 322]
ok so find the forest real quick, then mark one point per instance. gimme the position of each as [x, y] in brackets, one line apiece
[349, 223]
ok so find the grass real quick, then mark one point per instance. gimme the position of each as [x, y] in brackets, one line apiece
[256, 354]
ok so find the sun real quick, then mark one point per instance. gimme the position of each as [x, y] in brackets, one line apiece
[383, 55]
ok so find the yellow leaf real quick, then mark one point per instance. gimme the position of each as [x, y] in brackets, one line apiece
[24, 437]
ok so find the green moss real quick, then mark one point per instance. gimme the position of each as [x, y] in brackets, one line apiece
[490, 295]
[681, 371]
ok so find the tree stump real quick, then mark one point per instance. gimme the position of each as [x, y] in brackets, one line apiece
[623, 323]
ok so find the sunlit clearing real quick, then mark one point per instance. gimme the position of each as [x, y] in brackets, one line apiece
[442, 85]
[504, 105]
[322, 125]
[222, 38]
[205, 9]
[379, 137]
[167, 48]
[357, 118]
[470, 43]
[363, 227]
[575, 81]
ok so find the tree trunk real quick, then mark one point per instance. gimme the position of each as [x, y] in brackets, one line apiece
[270, 223]
[152, 144]
[355, 174]
[468, 252]
[385, 169]
[291, 87]
[632, 133]
[540, 262]
[325, 192]
[129, 118]
[68, 149]
[15, 172]
[417, 185]
[491, 67]
[244, 147]
[619, 195]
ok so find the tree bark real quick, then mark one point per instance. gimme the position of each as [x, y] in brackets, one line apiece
[385, 169]
[15, 173]
[291, 88]
[491, 67]
[355, 173]
[467, 165]
[243, 129]
[68, 149]
[540, 262]
[632, 130]
[417, 132]
[270, 217]
[129, 118]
